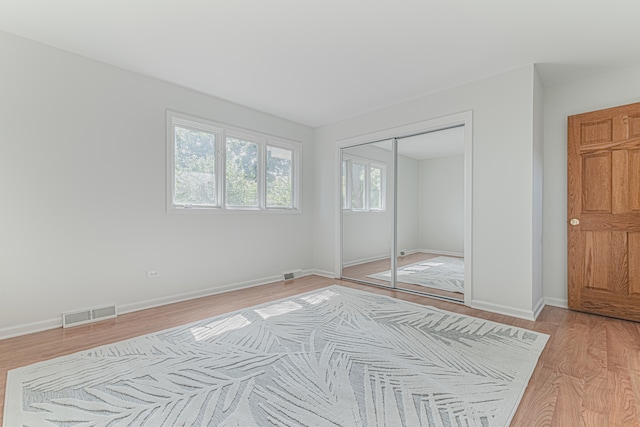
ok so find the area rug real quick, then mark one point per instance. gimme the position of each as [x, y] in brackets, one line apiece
[443, 272]
[331, 357]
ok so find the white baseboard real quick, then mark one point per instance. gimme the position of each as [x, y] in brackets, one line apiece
[438, 252]
[157, 302]
[503, 309]
[408, 251]
[365, 260]
[538, 308]
[43, 325]
[321, 273]
[30, 328]
[556, 302]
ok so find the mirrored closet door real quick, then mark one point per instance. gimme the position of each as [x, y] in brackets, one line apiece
[367, 213]
[430, 213]
[405, 230]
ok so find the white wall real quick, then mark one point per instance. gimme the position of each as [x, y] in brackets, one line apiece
[82, 179]
[441, 198]
[606, 90]
[408, 204]
[502, 181]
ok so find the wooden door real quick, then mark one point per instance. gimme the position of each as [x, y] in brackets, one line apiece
[604, 212]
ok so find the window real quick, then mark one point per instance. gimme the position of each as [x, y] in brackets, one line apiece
[279, 177]
[241, 173]
[217, 168]
[363, 185]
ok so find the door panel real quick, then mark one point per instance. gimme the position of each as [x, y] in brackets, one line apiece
[634, 126]
[634, 180]
[634, 263]
[619, 178]
[604, 212]
[596, 131]
[605, 261]
[596, 178]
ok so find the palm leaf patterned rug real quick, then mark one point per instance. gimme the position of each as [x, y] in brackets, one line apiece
[331, 357]
[443, 272]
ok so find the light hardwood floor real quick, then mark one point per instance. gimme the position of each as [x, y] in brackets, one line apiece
[364, 270]
[588, 374]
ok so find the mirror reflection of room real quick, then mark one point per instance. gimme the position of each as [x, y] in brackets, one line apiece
[429, 223]
[431, 213]
[367, 210]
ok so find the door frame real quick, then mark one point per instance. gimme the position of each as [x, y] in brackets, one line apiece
[464, 118]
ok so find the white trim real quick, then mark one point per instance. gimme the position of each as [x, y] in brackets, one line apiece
[43, 325]
[321, 273]
[537, 309]
[503, 309]
[438, 252]
[408, 251]
[30, 328]
[556, 302]
[468, 206]
[464, 118]
[235, 211]
[366, 260]
[157, 302]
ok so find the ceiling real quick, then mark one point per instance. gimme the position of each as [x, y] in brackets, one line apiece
[320, 61]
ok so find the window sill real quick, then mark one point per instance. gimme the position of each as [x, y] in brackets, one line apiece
[231, 211]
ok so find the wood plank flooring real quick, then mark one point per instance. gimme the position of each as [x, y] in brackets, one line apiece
[588, 375]
[364, 270]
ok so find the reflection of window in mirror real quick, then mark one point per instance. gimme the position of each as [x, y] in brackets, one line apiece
[376, 202]
[363, 185]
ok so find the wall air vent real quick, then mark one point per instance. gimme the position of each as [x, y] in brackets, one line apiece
[293, 274]
[90, 315]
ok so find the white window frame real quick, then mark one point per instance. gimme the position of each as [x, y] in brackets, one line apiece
[368, 163]
[221, 133]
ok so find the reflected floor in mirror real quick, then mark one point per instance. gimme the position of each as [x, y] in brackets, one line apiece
[361, 272]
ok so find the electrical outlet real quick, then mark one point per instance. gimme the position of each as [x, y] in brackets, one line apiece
[152, 274]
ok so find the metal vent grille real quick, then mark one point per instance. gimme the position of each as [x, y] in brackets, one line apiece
[293, 274]
[73, 318]
[100, 313]
[89, 315]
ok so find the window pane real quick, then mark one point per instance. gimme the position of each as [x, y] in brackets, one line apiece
[357, 186]
[279, 177]
[376, 188]
[195, 161]
[241, 173]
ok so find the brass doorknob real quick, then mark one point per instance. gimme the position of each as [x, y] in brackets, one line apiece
[574, 221]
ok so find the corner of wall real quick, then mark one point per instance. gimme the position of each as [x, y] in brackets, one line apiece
[504, 310]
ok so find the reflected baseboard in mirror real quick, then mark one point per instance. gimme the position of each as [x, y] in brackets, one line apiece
[362, 273]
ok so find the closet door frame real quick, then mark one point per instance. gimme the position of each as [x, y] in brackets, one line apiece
[465, 119]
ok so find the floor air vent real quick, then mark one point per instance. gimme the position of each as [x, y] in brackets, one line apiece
[81, 317]
[293, 274]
